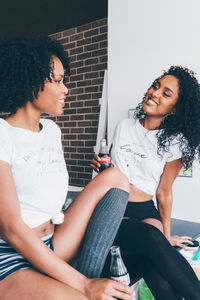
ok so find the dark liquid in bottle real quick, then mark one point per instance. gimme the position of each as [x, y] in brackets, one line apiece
[105, 161]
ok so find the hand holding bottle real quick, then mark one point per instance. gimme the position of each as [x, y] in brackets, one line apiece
[103, 160]
[108, 290]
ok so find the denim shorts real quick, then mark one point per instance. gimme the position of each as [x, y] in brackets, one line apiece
[11, 261]
[142, 210]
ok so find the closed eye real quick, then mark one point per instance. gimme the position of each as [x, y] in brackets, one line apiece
[166, 95]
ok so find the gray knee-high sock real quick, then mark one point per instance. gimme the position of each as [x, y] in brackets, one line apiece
[101, 231]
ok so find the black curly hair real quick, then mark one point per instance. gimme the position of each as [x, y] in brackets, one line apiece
[25, 64]
[184, 123]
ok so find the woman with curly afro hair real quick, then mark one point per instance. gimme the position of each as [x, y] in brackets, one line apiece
[150, 150]
[38, 240]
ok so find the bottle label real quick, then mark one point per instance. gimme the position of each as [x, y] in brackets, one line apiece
[125, 279]
[105, 160]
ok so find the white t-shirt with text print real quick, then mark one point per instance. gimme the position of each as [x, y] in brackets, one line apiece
[134, 152]
[38, 168]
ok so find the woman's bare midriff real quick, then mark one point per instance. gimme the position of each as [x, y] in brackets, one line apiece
[44, 229]
[137, 195]
[41, 230]
[48, 227]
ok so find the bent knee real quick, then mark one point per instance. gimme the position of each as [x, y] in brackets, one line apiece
[117, 178]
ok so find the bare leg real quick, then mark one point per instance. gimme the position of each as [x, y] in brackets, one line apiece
[31, 285]
[68, 236]
[154, 222]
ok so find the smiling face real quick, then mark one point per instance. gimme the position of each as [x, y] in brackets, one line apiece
[52, 99]
[161, 97]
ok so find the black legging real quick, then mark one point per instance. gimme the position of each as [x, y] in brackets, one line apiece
[165, 270]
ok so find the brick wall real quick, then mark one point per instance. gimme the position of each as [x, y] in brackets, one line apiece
[87, 49]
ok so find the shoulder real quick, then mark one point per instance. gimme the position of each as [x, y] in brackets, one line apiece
[126, 123]
[49, 124]
[176, 144]
[124, 128]
[178, 139]
[6, 146]
[3, 128]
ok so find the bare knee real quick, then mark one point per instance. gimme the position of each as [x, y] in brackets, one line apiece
[116, 178]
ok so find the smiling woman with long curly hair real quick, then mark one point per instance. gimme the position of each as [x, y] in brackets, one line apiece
[184, 122]
[151, 148]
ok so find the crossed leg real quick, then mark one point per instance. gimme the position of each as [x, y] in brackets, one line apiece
[29, 284]
[69, 235]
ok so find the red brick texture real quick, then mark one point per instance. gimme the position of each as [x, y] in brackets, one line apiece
[87, 48]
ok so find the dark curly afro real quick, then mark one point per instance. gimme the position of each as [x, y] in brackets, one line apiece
[184, 123]
[25, 64]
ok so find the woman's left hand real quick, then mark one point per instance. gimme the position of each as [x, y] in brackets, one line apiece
[178, 241]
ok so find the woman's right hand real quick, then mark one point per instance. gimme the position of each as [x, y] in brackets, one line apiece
[95, 163]
[106, 289]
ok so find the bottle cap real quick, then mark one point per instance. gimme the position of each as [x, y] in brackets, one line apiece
[115, 249]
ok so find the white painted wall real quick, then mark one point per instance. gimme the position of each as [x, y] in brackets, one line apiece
[146, 37]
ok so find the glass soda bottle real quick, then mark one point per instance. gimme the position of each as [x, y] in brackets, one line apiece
[104, 156]
[118, 270]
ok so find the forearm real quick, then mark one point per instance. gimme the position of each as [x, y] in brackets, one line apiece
[24, 240]
[165, 207]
